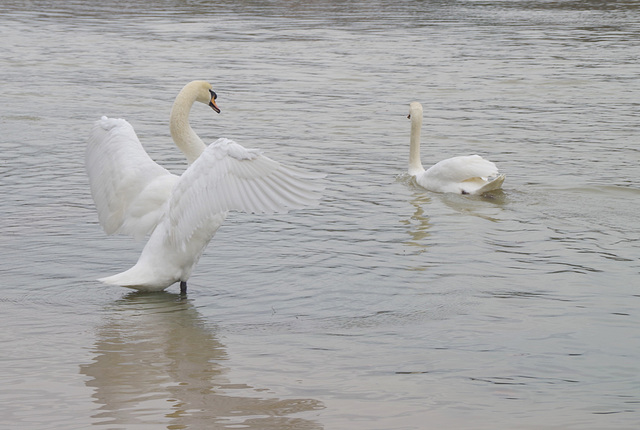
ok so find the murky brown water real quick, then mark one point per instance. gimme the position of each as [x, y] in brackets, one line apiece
[386, 307]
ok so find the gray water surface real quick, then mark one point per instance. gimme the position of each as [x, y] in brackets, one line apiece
[385, 307]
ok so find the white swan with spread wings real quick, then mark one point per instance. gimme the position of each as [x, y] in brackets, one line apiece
[467, 174]
[136, 196]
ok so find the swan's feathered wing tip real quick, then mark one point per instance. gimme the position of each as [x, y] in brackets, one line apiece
[106, 123]
[268, 185]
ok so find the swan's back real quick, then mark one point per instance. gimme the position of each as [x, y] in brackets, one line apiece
[458, 169]
[468, 174]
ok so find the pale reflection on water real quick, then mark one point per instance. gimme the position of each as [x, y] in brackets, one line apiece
[418, 223]
[157, 362]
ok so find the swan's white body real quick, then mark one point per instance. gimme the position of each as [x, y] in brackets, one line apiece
[470, 174]
[136, 196]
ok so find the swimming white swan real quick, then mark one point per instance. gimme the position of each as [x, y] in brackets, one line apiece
[136, 196]
[469, 174]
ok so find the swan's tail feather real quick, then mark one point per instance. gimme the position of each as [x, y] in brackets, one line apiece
[138, 278]
[492, 185]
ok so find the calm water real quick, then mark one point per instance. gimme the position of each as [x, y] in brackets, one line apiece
[386, 307]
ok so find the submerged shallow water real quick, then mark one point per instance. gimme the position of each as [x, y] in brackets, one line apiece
[385, 307]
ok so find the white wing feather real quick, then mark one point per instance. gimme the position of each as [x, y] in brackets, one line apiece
[128, 187]
[469, 174]
[229, 177]
[463, 168]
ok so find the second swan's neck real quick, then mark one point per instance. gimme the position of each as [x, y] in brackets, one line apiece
[183, 135]
[415, 165]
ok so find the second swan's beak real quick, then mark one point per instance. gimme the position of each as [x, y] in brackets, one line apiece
[409, 116]
[212, 103]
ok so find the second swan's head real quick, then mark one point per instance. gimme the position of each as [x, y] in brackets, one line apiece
[415, 110]
[204, 93]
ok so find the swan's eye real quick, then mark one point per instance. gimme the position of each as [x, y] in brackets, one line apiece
[213, 94]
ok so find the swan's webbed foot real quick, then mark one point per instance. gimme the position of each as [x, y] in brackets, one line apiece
[183, 288]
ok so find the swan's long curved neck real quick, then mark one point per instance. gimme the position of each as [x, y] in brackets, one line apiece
[183, 135]
[415, 165]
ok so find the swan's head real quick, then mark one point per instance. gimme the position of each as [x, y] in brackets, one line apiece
[205, 94]
[415, 110]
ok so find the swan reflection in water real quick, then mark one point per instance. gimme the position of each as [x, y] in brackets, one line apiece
[157, 363]
[488, 206]
[418, 223]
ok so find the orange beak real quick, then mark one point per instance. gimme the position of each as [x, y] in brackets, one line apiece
[213, 105]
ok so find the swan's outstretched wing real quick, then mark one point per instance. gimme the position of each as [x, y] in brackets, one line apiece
[463, 168]
[128, 187]
[229, 177]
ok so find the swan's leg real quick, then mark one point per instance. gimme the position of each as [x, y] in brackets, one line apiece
[183, 287]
